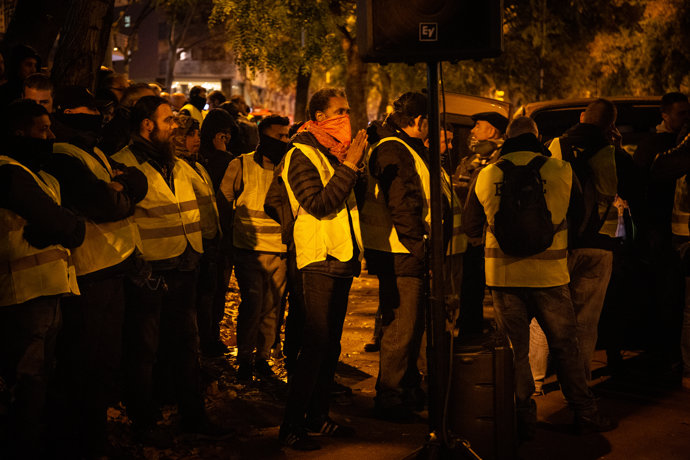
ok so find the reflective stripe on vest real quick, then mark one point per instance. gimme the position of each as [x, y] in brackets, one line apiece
[252, 228]
[315, 239]
[378, 231]
[105, 244]
[206, 200]
[546, 269]
[680, 218]
[610, 225]
[166, 221]
[27, 272]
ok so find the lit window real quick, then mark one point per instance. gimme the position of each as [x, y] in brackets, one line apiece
[127, 21]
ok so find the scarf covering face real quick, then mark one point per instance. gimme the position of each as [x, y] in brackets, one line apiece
[333, 133]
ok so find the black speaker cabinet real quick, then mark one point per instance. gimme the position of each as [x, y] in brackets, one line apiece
[482, 403]
[429, 30]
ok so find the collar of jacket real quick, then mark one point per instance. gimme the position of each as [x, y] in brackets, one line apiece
[25, 151]
[377, 131]
[144, 150]
[524, 143]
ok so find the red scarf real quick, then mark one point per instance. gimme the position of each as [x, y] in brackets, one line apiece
[333, 133]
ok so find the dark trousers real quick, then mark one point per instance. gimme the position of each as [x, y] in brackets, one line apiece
[402, 316]
[160, 325]
[294, 324]
[471, 318]
[88, 359]
[28, 334]
[211, 288]
[325, 305]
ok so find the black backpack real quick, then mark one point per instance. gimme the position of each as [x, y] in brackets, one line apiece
[522, 225]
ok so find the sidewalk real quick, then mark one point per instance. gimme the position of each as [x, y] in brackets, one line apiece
[653, 412]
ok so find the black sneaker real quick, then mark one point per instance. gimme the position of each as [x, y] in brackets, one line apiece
[263, 369]
[297, 439]
[595, 423]
[330, 428]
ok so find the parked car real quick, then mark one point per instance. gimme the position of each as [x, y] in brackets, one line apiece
[637, 117]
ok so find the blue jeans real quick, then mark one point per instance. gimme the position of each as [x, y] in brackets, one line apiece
[402, 326]
[590, 272]
[515, 307]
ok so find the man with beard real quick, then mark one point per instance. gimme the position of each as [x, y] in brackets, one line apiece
[259, 253]
[160, 319]
[36, 273]
[320, 172]
[395, 220]
[88, 349]
[195, 106]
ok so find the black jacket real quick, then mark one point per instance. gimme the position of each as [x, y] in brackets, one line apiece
[320, 201]
[47, 222]
[394, 168]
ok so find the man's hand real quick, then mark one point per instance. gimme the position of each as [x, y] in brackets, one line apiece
[116, 186]
[356, 150]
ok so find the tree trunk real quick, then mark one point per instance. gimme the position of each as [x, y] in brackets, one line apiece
[35, 23]
[385, 78]
[83, 39]
[355, 86]
[170, 71]
[302, 95]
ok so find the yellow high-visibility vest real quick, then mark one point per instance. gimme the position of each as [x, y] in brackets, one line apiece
[206, 199]
[548, 268]
[378, 231]
[167, 221]
[27, 272]
[315, 239]
[252, 228]
[106, 244]
[610, 225]
[603, 166]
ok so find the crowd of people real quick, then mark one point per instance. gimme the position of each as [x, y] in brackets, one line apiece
[125, 211]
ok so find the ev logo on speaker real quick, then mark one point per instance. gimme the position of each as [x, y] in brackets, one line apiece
[428, 32]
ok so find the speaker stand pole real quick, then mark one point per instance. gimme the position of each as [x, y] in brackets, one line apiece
[437, 339]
